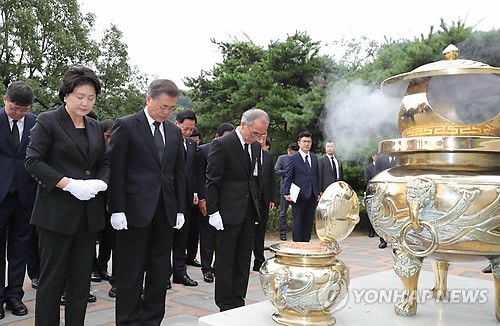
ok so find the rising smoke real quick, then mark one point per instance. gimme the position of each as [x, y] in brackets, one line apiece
[357, 117]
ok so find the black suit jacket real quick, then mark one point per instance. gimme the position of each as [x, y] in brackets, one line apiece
[369, 172]
[138, 177]
[230, 180]
[191, 171]
[307, 178]
[327, 175]
[53, 153]
[201, 157]
[280, 169]
[267, 179]
[12, 161]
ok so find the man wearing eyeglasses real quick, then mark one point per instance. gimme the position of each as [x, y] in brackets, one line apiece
[234, 173]
[302, 171]
[17, 195]
[147, 202]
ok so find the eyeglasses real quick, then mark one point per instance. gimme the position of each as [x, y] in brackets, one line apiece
[16, 109]
[167, 108]
[257, 135]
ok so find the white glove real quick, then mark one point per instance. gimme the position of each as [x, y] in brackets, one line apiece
[97, 185]
[119, 221]
[180, 221]
[80, 189]
[215, 220]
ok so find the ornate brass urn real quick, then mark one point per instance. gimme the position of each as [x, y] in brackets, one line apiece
[305, 281]
[442, 200]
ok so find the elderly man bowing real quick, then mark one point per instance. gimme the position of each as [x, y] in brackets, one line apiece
[233, 193]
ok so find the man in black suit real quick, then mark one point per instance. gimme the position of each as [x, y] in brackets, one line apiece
[266, 203]
[17, 195]
[368, 174]
[302, 170]
[233, 195]
[207, 232]
[147, 198]
[382, 163]
[330, 167]
[280, 169]
[186, 121]
[196, 216]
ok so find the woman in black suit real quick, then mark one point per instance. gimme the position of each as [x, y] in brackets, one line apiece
[67, 157]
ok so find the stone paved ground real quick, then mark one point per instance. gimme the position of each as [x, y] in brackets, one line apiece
[185, 305]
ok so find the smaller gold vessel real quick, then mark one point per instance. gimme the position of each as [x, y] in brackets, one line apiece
[304, 280]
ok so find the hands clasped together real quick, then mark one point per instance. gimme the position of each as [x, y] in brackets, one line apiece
[85, 189]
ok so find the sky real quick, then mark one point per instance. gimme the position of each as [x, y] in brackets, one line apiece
[171, 39]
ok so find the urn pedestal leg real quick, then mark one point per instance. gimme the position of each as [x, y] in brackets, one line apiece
[407, 267]
[440, 290]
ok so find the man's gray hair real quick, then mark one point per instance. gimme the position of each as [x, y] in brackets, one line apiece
[253, 114]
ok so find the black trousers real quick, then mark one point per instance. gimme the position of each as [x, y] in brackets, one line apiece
[65, 260]
[303, 217]
[179, 267]
[260, 235]
[207, 245]
[143, 259]
[283, 209]
[106, 244]
[194, 233]
[232, 263]
[15, 246]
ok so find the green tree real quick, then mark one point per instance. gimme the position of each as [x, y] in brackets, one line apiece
[39, 39]
[123, 89]
[277, 79]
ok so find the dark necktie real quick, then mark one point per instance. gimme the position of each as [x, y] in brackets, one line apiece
[160, 145]
[15, 138]
[307, 162]
[246, 151]
[334, 166]
[15, 133]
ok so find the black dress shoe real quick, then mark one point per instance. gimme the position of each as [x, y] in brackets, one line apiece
[105, 275]
[283, 237]
[185, 280]
[256, 268]
[487, 269]
[34, 283]
[382, 245]
[95, 277]
[112, 292]
[193, 262]
[2, 312]
[91, 298]
[371, 234]
[169, 285]
[16, 306]
[208, 277]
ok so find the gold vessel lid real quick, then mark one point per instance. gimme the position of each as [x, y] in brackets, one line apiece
[337, 213]
[451, 65]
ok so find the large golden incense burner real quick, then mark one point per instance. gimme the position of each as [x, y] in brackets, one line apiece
[304, 280]
[442, 200]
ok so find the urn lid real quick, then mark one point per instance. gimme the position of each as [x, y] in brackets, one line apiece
[337, 212]
[449, 66]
